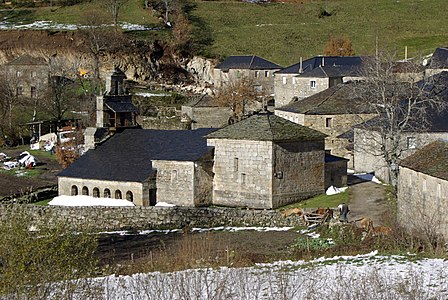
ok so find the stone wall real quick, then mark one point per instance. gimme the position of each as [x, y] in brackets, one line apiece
[298, 171]
[243, 173]
[288, 86]
[207, 117]
[336, 173]
[367, 155]
[31, 79]
[139, 190]
[422, 203]
[262, 78]
[127, 218]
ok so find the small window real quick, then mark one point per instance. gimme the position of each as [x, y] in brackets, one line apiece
[235, 164]
[129, 196]
[33, 74]
[74, 190]
[118, 194]
[439, 190]
[424, 187]
[257, 74]
[328, 122]
[258, 88]
[243, 178]
[19, 73]
[411, 142]
[313, 84]
[85, 191]
[174, 175]
[19, 91]
[106, 193]
[33, 92]
[294, 80]
[238, 74]
[96, 193]
[284, 79]
[266, 73]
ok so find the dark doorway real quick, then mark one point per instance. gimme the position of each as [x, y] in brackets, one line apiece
[152, 197]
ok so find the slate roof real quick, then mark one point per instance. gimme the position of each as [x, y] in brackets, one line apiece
[28, 60]
[121, 106]
[127, 156]
[339, 99]
[250, 62]
[332, 158]
[439, 59]
[431, 159]
[336, 65]
[266, 127]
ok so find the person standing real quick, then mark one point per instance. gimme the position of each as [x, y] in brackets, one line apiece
[343, 211]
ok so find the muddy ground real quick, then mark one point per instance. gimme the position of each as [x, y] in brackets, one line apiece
[12, 184]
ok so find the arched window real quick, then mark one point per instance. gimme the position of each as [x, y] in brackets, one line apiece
[106, 193]
[96, 192]
[129, 196]
[74, 190]
[85, 191]
[118, 194]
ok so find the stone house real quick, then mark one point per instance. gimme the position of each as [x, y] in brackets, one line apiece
[367, 148]
[28, 75]
[205, 113]
[312, 76]
[438, 62]
[259, 70]
[335, 171]
[145, 166]
[265, 161]
[423, 190]
[333, 111]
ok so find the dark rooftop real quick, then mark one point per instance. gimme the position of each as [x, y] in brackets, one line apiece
[342, 65]
[121, 106]
[266, 127]
[251, 62]
[431, 159]
[339, 99]
[332, 158]
[127, 156]
[439, 59]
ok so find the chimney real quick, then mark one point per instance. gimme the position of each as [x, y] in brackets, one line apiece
[323, 61]
[405, 53]
[301, 66]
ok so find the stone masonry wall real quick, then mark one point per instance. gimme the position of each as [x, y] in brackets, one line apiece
[133, 218]
[208, 117]
[243, 173]
[175, 182]
[422, 203]
[298, 171]
[287, 86]
[139, 197]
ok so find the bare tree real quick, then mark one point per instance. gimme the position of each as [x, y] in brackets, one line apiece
[10, 97]
[241, 96]
[339, 46]
[114, 6]
[403, 104]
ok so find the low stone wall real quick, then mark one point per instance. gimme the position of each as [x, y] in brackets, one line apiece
[133, 218]
[39, 194]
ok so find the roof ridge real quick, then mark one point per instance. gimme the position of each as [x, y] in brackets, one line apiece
[270, 127]
[323, 70]
[251, 61]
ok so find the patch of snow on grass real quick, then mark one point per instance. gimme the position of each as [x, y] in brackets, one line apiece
[368, 177]
[148, 94]
[334, 190]
[46, 25]
[82, 200]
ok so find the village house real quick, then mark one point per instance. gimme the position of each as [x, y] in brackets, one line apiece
[265, 162]
[205, 113]
[28, 75]
[422, 190]
[256, 69]
[145, 166]
[367, 146]
[438, 62]
[312, 76]
[333, 111]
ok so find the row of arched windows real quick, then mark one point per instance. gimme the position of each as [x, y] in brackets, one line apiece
[106, 193]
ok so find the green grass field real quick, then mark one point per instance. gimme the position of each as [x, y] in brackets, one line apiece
[321, 201]
[284, 32]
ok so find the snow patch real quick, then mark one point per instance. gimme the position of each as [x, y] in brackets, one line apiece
[82, 200]
[368, 177]
[334, 190]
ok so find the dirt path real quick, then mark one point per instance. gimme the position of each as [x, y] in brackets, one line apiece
[367, 199]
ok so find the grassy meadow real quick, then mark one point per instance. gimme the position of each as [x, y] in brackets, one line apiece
[283, 32]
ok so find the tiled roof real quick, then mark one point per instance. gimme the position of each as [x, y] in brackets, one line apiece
[127, 156]
[343, 64]
[121, 106]
[247, 62]
[439, 59]
[266, 127]
[431, 159]
[339, 99]
[28, 60]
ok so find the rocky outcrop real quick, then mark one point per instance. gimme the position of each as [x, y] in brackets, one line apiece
[201, 69]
